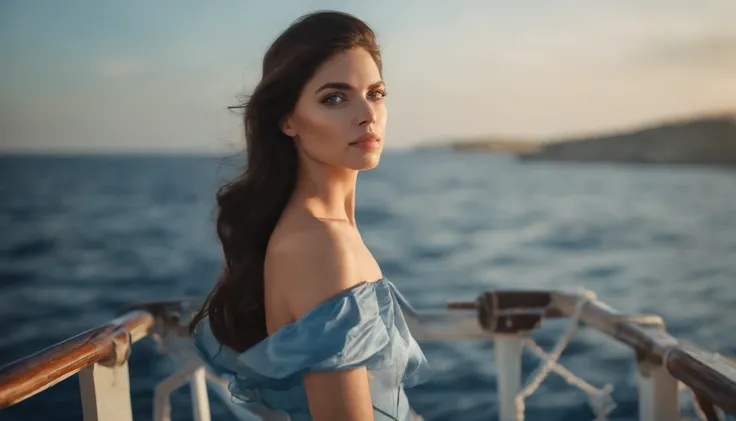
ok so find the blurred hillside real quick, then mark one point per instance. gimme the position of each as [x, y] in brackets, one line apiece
[709, 140]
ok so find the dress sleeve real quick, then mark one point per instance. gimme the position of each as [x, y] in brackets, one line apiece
[342, 333]
[345, 332]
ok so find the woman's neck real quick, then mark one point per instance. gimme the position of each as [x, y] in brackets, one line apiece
[327, 192]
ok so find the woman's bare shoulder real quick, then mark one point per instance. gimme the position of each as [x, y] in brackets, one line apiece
[310, 264]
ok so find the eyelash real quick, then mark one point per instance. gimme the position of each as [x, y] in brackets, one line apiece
[382, 92]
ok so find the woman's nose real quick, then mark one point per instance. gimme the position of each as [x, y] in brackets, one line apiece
[365, 113]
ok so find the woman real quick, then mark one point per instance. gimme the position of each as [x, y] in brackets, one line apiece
[302, 315]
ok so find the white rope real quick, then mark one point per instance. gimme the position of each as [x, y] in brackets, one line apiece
[599, 399]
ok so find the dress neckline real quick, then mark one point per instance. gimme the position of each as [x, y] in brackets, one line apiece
[342, 294]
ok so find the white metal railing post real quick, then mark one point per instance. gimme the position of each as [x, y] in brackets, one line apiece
[105, 385]
[507, 352]
[200, 399]
[658, 393]
[105, 393]
[162, 393]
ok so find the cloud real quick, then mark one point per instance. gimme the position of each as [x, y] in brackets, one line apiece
[120, 68]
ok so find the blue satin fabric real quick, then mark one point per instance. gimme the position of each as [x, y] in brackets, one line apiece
[362, 326]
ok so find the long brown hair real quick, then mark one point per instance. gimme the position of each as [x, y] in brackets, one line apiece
[250, 206]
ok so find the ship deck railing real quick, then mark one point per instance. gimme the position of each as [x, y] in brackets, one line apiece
[664, 364]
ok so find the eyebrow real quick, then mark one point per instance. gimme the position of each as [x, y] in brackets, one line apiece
[346, 86]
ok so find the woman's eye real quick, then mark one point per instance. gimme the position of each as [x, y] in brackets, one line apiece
[377, 95]
[333, 100]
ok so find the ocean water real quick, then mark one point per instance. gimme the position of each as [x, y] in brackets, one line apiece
[83, 236]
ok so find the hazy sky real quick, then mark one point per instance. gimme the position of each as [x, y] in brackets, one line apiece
[157, 75]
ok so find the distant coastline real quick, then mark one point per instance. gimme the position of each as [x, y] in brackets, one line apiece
[709, 140]
[497, 146]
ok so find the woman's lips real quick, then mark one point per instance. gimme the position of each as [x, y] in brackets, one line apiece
[367, 141]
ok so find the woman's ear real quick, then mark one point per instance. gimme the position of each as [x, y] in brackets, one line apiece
[287, 128]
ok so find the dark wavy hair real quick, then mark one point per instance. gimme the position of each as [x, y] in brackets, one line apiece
[250, 206]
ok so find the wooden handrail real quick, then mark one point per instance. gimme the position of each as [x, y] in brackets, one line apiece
[28, 376]
[708, 374]
[711, 376]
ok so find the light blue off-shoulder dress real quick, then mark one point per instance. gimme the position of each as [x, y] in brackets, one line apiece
[362, 326]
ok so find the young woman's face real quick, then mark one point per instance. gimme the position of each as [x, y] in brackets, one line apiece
[340, 117]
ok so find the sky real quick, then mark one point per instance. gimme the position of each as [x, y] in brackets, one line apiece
[93, 76]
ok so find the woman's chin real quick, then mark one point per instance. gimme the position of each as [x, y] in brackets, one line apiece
[366, 161]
